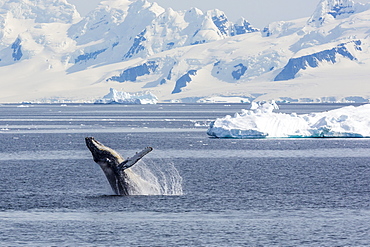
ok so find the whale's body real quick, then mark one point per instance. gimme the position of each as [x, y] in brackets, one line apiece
[115, 168]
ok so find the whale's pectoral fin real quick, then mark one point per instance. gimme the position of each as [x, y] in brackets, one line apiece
[134, 159]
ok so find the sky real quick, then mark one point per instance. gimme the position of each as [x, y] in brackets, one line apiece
[258, 12]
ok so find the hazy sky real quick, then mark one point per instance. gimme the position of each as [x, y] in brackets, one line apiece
[258, 12]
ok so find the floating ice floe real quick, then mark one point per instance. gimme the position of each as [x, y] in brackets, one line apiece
[261, 122]
[118, 97]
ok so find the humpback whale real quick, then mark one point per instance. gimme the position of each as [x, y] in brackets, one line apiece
[116, 169]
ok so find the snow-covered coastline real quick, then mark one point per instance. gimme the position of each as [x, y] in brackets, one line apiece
[261, 122]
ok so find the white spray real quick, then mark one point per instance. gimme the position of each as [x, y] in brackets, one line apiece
[154, 178]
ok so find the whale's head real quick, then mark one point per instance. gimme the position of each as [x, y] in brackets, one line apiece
[101, 153]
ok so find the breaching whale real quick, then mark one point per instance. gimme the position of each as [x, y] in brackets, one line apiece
[115, 168]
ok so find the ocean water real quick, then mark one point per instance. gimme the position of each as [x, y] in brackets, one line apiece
[215, 192]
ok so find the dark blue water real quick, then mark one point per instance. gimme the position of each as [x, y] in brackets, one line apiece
[271, 192]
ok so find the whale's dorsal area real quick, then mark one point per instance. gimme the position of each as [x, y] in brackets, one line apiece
[113, 165]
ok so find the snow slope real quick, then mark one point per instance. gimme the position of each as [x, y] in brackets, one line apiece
[48, 53]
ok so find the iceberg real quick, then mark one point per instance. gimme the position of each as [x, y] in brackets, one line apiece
[119, 97]
[261, 122]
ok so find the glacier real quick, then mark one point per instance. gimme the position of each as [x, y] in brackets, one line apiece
[121, 97]
[262, 122]
[48, 51]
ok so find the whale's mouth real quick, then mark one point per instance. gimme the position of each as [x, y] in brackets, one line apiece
[102, 153]
[92, 144]
[96, 147]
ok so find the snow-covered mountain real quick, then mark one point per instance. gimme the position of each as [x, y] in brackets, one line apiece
[49, 53]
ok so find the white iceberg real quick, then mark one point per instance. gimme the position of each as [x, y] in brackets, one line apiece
[260, 122]
[119, 97]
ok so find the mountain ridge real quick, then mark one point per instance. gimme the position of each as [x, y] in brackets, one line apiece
[181, 55]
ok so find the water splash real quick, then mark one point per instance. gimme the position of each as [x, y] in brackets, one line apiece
[155, 178]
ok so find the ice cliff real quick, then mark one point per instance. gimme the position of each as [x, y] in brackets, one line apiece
[120, 97]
